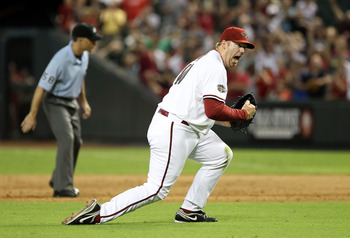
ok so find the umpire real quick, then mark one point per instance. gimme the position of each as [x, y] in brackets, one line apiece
[62, 91]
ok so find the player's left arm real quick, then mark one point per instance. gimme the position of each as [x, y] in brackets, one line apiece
[84, 103]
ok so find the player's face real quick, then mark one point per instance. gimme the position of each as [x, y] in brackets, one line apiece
[233, 52]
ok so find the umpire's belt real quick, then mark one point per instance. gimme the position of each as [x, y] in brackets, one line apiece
[166, 114]
[62, 98]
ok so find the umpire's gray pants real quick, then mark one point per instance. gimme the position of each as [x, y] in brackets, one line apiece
[63, 118]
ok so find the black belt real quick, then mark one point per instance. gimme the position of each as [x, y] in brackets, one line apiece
[63, 98]
[166, 114]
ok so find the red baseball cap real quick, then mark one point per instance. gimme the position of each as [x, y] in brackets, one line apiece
[237, 35]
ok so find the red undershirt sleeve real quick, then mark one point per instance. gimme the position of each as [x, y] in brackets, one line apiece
[219, 111]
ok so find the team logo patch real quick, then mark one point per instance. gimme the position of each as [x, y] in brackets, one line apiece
[244, 34]
[221, 88]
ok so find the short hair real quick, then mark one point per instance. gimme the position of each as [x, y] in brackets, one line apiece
[217, 45]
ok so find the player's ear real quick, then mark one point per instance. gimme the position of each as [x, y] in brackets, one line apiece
[224, 44]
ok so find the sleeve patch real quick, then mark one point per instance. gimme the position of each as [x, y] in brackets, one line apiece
[221, 88]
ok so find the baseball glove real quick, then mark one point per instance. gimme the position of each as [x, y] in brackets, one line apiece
[242, 125]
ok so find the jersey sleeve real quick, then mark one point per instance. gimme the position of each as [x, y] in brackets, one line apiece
[50, 75]
[218, 111]
[215, 84]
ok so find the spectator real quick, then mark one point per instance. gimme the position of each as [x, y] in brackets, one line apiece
[133, 8]
[339, 56]
[112, 21]
[205, 17]
[88, 12]
[171, 13]
[307, 10]
[289, 13]
[65, 17]
[338, 87]
[129, 63]
[315, 78]
[149, 74]
[266, 56]
[176, 32]
[284, 82]
[343, 18]
[147, 20]
[238, 82]
[113, 51]
[266, 84]
[175, 61]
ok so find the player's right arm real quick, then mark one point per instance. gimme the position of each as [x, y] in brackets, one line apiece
[218, 111]
[29, 122]
[222, 114]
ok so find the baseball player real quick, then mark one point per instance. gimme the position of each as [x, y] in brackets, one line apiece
[181, 129]
[60, 86]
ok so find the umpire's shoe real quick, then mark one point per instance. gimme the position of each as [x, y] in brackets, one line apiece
[197, 216]
[65, 193]
[90, 214]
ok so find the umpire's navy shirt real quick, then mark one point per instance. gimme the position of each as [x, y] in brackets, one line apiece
[64, 75]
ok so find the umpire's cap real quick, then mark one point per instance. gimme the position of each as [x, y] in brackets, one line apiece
[86, 30]
[237, 35]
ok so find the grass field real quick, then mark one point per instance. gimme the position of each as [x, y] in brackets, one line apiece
[237, 219]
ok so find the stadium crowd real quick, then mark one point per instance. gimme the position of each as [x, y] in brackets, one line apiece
[297, 57]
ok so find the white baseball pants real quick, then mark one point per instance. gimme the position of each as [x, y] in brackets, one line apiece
[171, 143]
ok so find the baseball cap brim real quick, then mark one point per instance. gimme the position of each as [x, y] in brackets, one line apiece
[96, 37]
[247, 43]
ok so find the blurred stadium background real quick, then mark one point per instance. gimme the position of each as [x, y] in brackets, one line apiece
[300, 70]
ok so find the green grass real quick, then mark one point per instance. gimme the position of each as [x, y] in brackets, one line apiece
[134, 160]
[252, 220]
[235, 220]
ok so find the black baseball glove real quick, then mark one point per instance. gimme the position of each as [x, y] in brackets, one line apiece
[242, 125]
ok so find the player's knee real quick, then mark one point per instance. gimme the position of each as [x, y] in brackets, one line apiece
[163, 192]
[229, 154]
[159, 193]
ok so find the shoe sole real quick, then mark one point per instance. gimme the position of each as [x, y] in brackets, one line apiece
[176, 221]
[88, 208]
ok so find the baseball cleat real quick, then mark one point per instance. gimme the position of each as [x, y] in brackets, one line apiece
[86, 216]
[198, 216]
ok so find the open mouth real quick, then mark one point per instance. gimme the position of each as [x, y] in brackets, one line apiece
[237, 57]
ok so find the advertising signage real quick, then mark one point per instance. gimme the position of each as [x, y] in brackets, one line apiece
[282, 123]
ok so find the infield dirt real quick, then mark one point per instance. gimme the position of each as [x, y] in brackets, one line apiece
[231, 188]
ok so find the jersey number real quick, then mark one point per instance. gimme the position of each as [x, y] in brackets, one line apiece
[183, 73]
